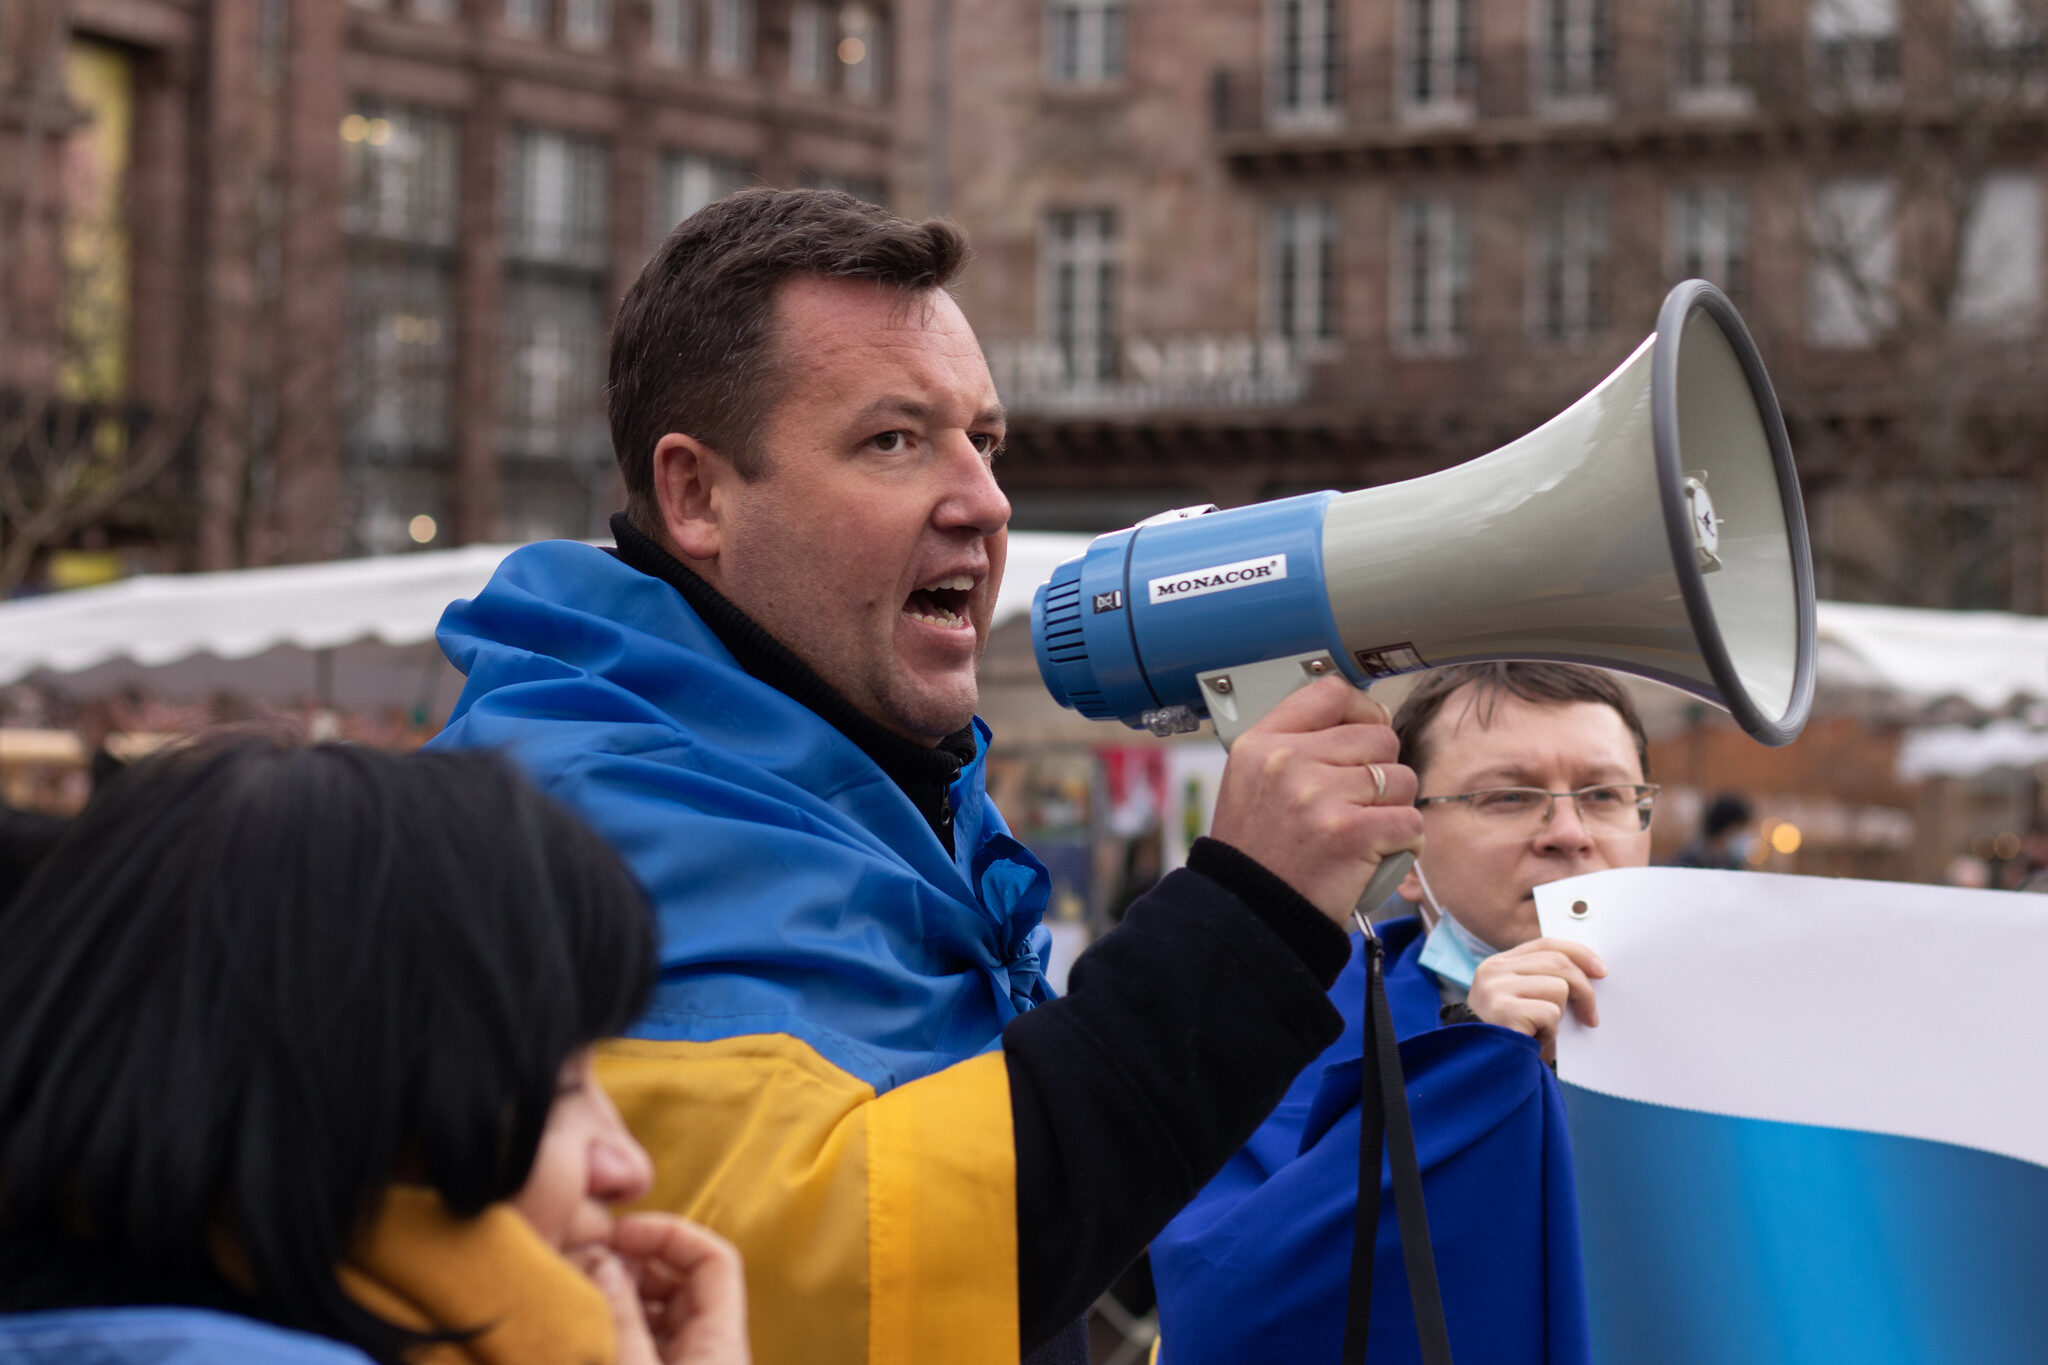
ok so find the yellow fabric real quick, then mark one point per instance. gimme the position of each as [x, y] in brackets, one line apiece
[874, 1229]
[942, 1208]
[422, 1268]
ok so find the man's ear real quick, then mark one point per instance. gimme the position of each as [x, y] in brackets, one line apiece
[1410, 889]
[688, 484]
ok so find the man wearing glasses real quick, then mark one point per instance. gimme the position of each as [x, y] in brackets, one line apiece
[1535, 772]
[1527, 773]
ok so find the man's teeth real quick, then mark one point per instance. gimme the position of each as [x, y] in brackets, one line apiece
[940, 615]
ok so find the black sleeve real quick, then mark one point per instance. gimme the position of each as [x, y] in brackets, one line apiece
[1179, 1032]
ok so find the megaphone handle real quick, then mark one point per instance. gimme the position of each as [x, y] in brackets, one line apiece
[1239, 696]
[1385, 878]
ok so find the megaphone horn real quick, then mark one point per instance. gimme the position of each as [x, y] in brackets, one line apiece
[1653, 527]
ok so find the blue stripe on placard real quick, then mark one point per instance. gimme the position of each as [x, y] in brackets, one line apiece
[1711, 1240]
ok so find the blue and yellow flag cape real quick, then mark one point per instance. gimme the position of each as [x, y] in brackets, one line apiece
[818, 1076]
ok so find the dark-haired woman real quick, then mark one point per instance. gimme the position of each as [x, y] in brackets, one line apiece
[295, 1066]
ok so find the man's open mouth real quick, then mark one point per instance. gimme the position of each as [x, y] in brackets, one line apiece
[943, 604]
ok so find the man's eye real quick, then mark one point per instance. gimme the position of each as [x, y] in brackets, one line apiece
[1502, 801]
[889, 442]
[1607, 796]
[987, 443]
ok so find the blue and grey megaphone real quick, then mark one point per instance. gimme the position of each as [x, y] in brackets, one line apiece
[1653, 527]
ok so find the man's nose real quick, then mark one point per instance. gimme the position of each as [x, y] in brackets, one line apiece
[1564, 830]
[975, 499]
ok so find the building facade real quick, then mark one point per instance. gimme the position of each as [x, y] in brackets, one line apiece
[1232, 249]
[359, 258]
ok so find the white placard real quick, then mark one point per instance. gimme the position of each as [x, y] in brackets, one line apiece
[1880, 1006]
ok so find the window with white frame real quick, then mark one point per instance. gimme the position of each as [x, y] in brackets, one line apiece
[1302, 66]
[1998, 275]
[686, 182]
[1852, 253]
[399, 172]
[1084, 42]
[2000, 48]
[587, 23]
[1078, 278]
[528, 17]
[551, 330]
[399, 212]
[1300, 295]
[1431, 288]
[672, 31]
[860, 52]
[1574, 52]
[550, 379]
[810, 44]
[1709, 237]
[1568, 263]
[557, 186]
[731, 46]
[1437, 59]
[1713, 53]
[1855, 50]
[398, 364]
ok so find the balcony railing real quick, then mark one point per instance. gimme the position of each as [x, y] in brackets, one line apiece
[1381, 98]
[1143, 374]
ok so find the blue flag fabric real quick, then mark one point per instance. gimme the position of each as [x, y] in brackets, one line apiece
[797, 889]
[1257, 1267]
[1810, 1126]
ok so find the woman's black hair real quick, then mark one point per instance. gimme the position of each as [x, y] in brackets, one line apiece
[25, 838]
[256, 982]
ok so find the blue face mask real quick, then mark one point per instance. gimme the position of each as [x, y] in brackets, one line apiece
[1452, 951]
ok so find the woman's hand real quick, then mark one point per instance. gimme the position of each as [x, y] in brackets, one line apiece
[676, 1292]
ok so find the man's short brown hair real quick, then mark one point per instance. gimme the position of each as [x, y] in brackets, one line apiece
[693, 350]
[1543, 684]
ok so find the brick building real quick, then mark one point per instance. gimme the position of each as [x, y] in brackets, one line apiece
[358, 258]
[1230, 249]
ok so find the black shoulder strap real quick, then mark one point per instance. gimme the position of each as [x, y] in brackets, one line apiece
[1383, 1112]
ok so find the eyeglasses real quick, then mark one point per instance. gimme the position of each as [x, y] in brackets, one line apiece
[1609, 810]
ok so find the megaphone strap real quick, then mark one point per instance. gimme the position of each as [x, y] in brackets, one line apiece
[1384, 1125]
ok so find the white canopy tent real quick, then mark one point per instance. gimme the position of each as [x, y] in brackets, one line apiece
[358, 634]
[1965, 666]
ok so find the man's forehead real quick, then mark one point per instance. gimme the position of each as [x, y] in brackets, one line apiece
[1477, 732]
[857, 331]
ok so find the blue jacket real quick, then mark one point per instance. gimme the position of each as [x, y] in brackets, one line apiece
[160, 1336]
[1256, 1268]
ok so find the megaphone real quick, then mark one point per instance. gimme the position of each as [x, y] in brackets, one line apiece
[1653, 527]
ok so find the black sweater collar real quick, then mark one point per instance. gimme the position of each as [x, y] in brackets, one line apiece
[923, 773]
